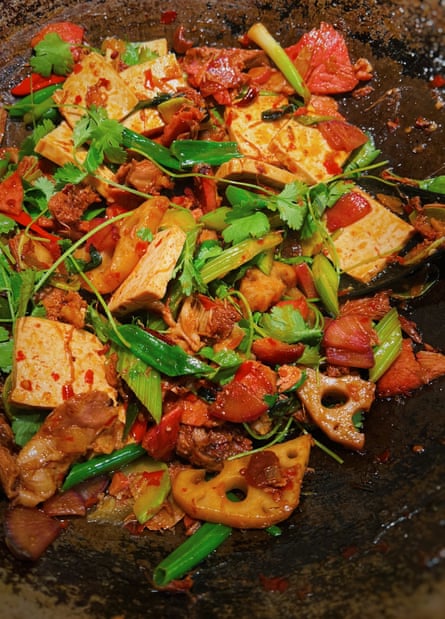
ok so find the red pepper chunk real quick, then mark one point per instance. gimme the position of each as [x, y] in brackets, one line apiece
[349, 208]
[35, 82]
[67, 31]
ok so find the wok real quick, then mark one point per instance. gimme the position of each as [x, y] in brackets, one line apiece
[368, 539]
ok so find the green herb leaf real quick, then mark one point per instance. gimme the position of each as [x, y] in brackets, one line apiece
[285, 323]
[255, 226]
[52, 55]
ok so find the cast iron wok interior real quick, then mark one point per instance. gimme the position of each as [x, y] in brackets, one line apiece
[368, 539]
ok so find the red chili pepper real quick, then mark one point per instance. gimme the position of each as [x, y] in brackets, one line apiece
[26, 220]
[35, 82]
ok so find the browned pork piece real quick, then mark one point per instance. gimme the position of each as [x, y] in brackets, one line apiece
[84, 423]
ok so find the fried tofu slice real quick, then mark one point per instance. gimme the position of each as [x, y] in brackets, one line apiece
[364, 247]
[305, 152]
[248, 129]
[256, 171]
[148, 281]
[162, 75]
[53, 361]
[58, 147]
[94, 82]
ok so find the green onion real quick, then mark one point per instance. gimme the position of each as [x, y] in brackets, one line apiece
[192, 152]
[143, 380]
[235, 256]
[102, 464]
[390, 337]
[196, 548]
[148, 148]
[28, 103]
[165, 358]
[259, 34]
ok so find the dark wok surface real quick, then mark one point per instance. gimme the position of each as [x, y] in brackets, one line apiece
[368, 539]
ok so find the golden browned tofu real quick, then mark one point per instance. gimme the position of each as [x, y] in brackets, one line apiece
[53, 361]
[305, 152]
[148, 79]
[95, 82]
[148, 281]
[255, 171]
[252, 134]
[58, 147]
[365, 246]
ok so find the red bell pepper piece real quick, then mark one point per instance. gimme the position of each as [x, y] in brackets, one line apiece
[35, 82]
[67, 31]
[160, 440]
[26, 220]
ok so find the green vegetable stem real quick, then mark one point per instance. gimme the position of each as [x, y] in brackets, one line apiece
[259, 34]
[102, 464]
[30, 102]
[168, 359]
[196, 548]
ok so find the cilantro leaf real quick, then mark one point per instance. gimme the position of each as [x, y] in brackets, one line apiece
[190, 277]
[291, 204]
[255, 225]
[135, 53]
[6, 224]
[104, 136]
[69, 173]
[28, 145]
[52, 55]
[285, 323]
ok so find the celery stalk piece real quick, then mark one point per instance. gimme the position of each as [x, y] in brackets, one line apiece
[236, 255]
[390, 337]
[259, 34]
[326, 280]
[143, 380]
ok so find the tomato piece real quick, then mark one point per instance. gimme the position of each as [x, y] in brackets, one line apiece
[341, 135]
[67, 31]
[11, 194]
[350, 207]
[322, 58]
[242, 400]
[160, 440]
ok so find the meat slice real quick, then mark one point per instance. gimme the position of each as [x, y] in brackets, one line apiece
[209, 447]
[68, 433]
[8, 467]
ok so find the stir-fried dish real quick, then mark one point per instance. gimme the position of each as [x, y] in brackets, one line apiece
[188, 255]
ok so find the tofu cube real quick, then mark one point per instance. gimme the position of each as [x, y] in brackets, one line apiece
[148, 281]
[365, 246]
[252, 134]
[94, 82]
[305, 152]
[53, 361]
[58, 147]
[146, 80]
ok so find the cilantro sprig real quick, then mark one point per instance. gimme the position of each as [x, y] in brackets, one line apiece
[52, 55]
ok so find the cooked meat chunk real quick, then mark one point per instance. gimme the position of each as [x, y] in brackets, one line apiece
[64, 305]
[68, 205]
[210, 447]
[69, 432]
